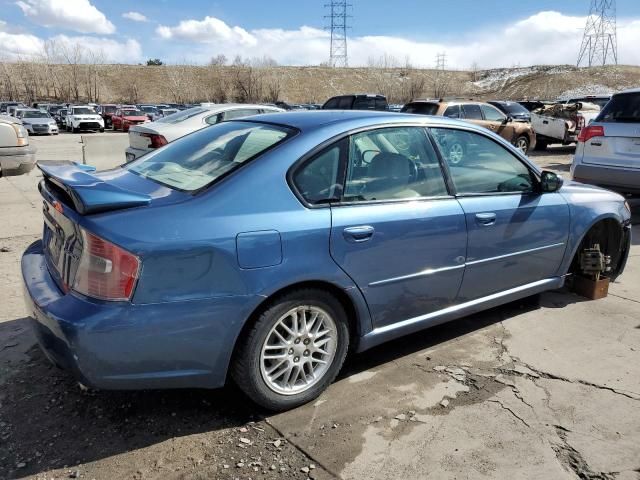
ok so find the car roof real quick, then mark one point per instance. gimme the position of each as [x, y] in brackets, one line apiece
[630, 90]
[308, 120]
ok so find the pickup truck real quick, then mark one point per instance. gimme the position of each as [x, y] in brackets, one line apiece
[560, 123]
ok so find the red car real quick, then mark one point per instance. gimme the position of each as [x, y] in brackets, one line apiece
[123, 119]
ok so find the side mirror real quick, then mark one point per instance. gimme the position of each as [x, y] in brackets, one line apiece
[550, 182]
[507, 119]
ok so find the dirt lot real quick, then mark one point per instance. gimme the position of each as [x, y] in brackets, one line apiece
[546, 388]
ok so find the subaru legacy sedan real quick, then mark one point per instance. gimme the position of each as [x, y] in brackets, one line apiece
[264, 250]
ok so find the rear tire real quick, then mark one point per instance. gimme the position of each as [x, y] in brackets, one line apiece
[74, 130]
[293, 351]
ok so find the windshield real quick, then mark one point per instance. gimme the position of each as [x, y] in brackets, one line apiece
[36, 115]
[624, 108]
[83, 111]
[513, 108]
[109, 109]
[184, 115]
[149, 109]
[421, 108]
[133, 113]
[197, 160]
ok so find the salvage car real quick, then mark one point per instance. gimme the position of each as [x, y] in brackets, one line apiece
[520, 134]
[16, 155]
[123, 119]
[608, 150]
[512, 109]
[38, 122]
[83, 118]
[146, 138]
[251, 249]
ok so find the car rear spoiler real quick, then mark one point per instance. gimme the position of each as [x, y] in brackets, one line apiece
[89, 193]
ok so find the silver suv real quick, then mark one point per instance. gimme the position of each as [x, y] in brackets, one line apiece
[608, 150]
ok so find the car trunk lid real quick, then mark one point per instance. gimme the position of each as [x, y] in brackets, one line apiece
[619, 147]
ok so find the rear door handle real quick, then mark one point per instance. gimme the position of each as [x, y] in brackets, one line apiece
[358, 234]
[486, 219]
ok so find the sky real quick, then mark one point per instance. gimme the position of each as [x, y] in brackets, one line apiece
[483, 33]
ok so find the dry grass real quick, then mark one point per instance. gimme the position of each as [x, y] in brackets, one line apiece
[152, 84]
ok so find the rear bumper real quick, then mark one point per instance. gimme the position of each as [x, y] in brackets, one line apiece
[617, 179]
[17, 161]
[119, 345]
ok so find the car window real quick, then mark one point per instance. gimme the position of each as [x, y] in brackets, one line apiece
[421, 108]
[392, 163]
[83, 111]
[492, 114]
[197, 160]
[452, 111]
[317, 180]
[244, 112]
[381, 104]
[344, 103]
[183, 115]
[364, 103]
[479, 165]
[471, 111]
[212, 119]
[623, 108]
[331, 103]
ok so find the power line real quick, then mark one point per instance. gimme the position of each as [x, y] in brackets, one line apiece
[338, 27]
[600, 40]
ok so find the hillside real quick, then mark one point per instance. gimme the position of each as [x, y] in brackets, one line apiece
[153, 84]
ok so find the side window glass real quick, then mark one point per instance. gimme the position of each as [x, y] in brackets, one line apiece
[453, 111]
[472, 111]
[245, 112]
[492, 114]
[318, 179]
[392, 163]
[364, 103]
[345, 103]
[212, 119]
[333, 103]
[480, 165]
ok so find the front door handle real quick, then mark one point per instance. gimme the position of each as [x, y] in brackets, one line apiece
[358, 234]
[486, 219]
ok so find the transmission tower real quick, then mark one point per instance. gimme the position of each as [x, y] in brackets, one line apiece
[600, 43]
[338, 28]
[441, 61]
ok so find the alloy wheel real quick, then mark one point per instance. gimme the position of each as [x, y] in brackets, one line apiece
[456, 153]
[298, 350]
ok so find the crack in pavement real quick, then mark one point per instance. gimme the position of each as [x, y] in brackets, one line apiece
[570, 458]
[302, 450]
[510, 411]
[624, 298]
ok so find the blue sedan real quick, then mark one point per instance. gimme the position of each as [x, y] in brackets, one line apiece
[266, 249]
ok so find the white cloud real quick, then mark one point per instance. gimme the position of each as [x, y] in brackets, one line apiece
[135, 16]
[78, 15]
[18, 45]
[544, 38]
[113, 51]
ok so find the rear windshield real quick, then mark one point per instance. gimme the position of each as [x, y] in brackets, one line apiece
[133, 113]
[197, 160]
[84, 111]
[109, 109]
[623, 108]
[184, 115]
[422, 108]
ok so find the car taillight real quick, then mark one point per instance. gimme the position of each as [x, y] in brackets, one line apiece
[105, 271]
[589, 132]
[157, 140]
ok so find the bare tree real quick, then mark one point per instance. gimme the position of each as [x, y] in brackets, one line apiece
[218, 60]
[92, 69]
[273, 88]
[248, 84]
[180, 82]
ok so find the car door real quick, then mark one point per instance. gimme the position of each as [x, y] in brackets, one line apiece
[496, 121]
[396, 231]
[516, 234]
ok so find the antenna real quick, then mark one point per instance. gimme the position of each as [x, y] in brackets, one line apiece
[600, 41]
[338, 27]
